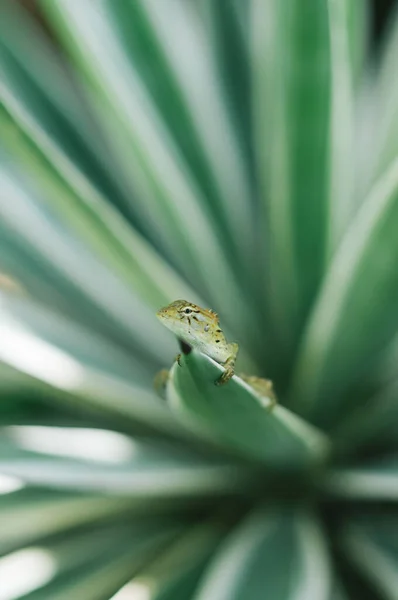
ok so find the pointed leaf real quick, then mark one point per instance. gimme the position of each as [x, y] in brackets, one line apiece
[160, 182]
[27, 515]
[101, 578]
[302, 94]
[228, 28]
[371, 544]
[355, 314]
[79, 342]
[142, 471]
[375, 426]
[236, 416]
[377, 481]
[103, 296]
[192, 105]
[35, 79]
[67, 192]
[270, 554]
[31, 355]
[385, 97]
[176, 572]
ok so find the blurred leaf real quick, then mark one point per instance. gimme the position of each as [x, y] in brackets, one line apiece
[377, 481]
[234, 415]
[24, 403]
[337, 592]
[358, 15]
[192, 107]
[175, 573]
[38, 85]
[97, 291]
[386, 101]
[355, 314]
[25, 400]
[227, 25]
[99, 577]
[303, 74]
[83, 549]
[69, 194]
[270, 552]
[150, 472]
[83, 384]
[28, 515]
[346, 21]
[241, 155]
[80, 342]
[374, 423]
[184, 227]
[372, 545]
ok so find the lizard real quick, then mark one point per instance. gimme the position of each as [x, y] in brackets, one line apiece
[199, 328]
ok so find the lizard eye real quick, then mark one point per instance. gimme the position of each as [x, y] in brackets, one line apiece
[187, 311]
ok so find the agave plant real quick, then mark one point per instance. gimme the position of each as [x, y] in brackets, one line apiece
[242, 155]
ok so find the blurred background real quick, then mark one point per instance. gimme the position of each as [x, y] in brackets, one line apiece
[380, 13]
[237, 155]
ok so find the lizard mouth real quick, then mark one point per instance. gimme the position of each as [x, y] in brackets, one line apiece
[162, 314]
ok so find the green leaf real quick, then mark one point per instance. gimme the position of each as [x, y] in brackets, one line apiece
[175, 573]
[302, 117]
[27, 516]
[227, 25]
[374, 427]
[241, 155]
[377, 481]
[98, 289]
[36, 82]
[344, 17]
[67, 193]
[184, 228]
[19, 348]
[101, 576]
[355, 314]
[371, 544]
[80, 342]
[271, 552]
[385, 97]
[29, 401]
[143, 471]
[358, 15]
[87, 546]
[24, 401]
[236, 416]
[338, 592]
[193, 108]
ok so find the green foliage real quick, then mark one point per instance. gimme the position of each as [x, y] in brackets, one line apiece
[242, 155]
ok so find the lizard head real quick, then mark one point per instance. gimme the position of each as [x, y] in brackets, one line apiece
[179, 309]
[186, 320]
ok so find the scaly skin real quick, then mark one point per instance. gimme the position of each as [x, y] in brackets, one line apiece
[200, 328]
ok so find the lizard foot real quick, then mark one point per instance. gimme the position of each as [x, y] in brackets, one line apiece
[226, 376]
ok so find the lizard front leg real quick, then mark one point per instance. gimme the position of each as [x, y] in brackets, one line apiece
[229, 366]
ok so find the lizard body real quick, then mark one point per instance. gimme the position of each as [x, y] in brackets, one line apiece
[200, 329]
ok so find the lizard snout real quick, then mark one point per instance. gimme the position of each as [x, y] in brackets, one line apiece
[161, 313]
